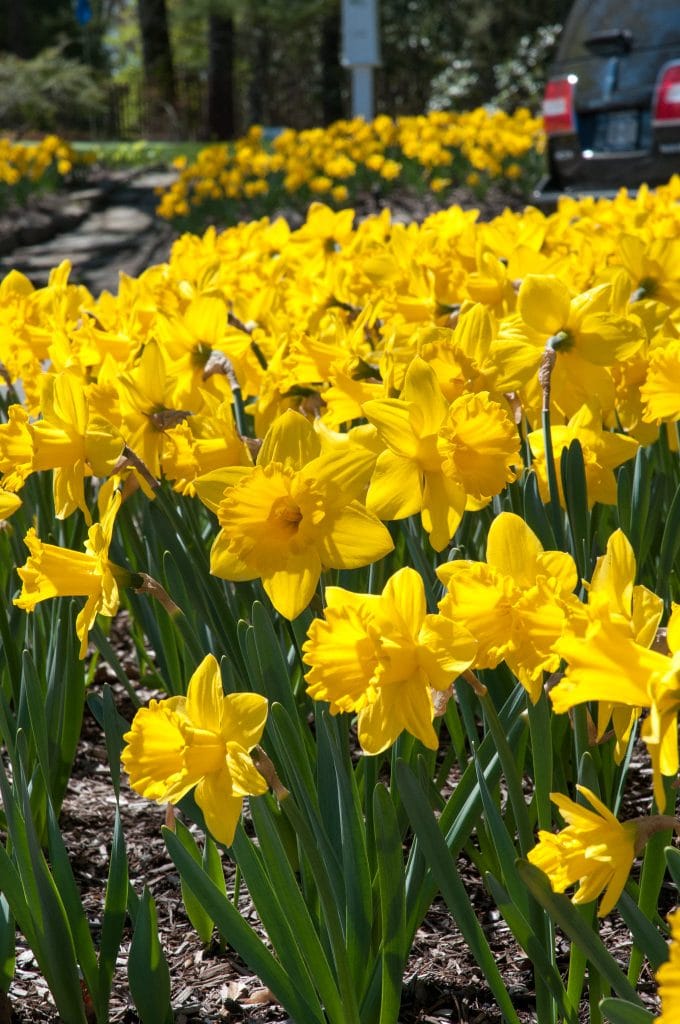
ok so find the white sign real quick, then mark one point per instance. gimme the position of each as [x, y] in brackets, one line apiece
[360, 40]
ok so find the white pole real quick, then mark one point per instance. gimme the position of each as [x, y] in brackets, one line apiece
[362, 91]
[361, 52]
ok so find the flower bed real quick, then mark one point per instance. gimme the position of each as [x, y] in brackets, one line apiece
[395, 511]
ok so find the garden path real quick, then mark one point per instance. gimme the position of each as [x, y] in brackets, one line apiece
[119, 233]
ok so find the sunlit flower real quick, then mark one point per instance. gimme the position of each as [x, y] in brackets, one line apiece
[608, 664]
[295, 513]
[438, 458]
[515, 604]
[603, 450]
[595, 850]
[613, 595]
[202, 740]
[668, 976]
[52, 571]
[381, 656]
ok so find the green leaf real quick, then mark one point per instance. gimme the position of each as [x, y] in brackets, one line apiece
[239, 934]
[68, 891]
[673, 863]
[7, 942]
[148, 974]
[273, 668]
[64, 699]
[202, 921]
[111, 658]
[648, 940]
[352, 844]
[212, 864]
[670, 545]
[35, 697]
[332, 903]
[576, 500]
[56, 939]
[504, 846]
[274, 914]
[532, 946]
[618, 1011]
[651, 880]
[115, 905]
[565, 915]
[278, 869]
[624, 497]
[463, 808]
[445, 872]
[391, 886]
[639, 510]
[535, 514]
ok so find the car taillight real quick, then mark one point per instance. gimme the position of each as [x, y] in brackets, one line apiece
[558, 106]
[667, 95]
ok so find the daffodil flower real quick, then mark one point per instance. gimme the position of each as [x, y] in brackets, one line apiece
[204, 741]
[52, 571]
[612, 595]
[515, 603]
[608, 664]
[595, 850]
[668, 976]
[295, 513]
[70, 439]
[603, 451]
[381, 656]
[438, 459]
[587, 335]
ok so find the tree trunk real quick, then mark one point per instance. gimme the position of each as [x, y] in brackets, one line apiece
[221, 106]
[331, 72]
[159, 76]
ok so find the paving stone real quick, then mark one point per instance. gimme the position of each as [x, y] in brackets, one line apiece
[103, 229]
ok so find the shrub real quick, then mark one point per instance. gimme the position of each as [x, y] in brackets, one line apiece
[49, 92]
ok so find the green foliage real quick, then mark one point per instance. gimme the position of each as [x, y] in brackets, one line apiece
[49, 92]
[520, 78]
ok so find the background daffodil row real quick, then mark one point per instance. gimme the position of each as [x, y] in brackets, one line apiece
[395, 514]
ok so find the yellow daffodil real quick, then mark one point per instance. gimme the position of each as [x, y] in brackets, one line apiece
[146, 396]
[9, 503]
[661, 389]
[52, 571]
[73, 441]
[381, 656]
[612, 594]
[595, 850]
[295, 513]
[668, 976]
[603, 450]
[202, 740]
[608, 664]
[585, 333]
[515, 604]
[438, 458]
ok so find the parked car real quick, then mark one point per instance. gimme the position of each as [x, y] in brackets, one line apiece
[611, 106]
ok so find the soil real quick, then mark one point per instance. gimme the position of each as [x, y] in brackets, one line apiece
[442, 983]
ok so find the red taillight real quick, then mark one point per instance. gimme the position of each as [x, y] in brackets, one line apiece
[667, 95]
[558, 106]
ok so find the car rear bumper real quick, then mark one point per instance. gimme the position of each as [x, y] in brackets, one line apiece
[547, 193]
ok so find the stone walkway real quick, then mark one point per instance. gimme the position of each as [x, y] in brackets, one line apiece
[117, 231]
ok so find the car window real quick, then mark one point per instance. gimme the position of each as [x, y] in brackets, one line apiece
[652, 24]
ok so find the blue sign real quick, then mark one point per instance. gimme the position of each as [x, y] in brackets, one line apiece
[83, 12]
